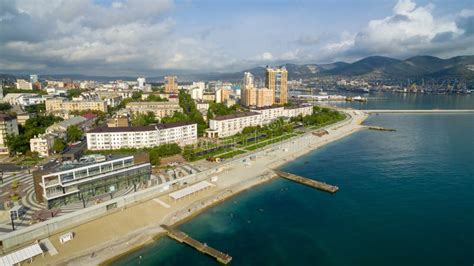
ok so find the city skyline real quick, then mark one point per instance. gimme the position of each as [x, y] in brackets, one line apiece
[146, 37]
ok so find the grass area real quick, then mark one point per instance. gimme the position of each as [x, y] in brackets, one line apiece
[212, 154]
[270, 141]
[231, 154]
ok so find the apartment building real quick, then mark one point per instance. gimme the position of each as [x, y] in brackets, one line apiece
[42, 144]
[68, 183]
[160, 109]
[23, 99]
[171, 84]
[229, 125]
[57, 104]
[276, 80]
[8, 126]
[22, 84]
[293, 111]
[111, 138]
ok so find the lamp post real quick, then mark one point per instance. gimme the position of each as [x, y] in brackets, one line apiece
[13, 223]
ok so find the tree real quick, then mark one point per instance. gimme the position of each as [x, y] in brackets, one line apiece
[36, 108]
[73, 133]
[59, 145]
[144, 119]
[155, 98]
[73, 93]
[137, 95]
[5, 106]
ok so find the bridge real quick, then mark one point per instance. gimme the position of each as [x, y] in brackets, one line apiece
[420, 111]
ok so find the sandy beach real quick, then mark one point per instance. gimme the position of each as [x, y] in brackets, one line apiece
[110, 236]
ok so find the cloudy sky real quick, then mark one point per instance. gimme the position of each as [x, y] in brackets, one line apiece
[154, 37]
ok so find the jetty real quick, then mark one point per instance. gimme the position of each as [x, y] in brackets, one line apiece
[309, 182]
[380, 128]
[202, 247]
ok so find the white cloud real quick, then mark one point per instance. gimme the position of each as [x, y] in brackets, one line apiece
[410, 30]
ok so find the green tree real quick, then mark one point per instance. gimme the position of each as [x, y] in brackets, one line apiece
[59, 145]
[144, 119]
[73, 133]
[73, 93]
[137, 95]
[5, 106]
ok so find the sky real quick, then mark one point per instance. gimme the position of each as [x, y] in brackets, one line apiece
[155, 37]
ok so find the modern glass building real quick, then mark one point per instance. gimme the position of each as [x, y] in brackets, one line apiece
[65, 184]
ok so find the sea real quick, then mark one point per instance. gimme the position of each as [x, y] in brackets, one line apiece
[405, 198]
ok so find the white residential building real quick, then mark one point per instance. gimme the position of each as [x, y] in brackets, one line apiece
[8, 126]
[229, 125]
[111, 138]
[42, 144]
[160, 109]
[23, 99]
[294, 111]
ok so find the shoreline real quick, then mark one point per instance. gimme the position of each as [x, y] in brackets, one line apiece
[260, 172]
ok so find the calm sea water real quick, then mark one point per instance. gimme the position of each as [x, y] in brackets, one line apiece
[406, 198]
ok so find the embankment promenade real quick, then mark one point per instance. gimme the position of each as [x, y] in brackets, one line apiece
[101, 240]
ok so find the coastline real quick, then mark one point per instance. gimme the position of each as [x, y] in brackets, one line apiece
[237, 178]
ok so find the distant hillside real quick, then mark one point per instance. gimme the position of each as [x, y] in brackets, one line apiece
[461, 67]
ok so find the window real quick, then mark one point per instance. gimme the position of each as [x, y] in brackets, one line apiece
[67, 177]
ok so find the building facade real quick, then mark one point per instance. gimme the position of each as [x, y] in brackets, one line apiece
[160, 109]
[8, 126]
[108, 138]
[60, 104]
[229, 125]
[276, 80]
[171, 84]
[71, 183]
[41, 144]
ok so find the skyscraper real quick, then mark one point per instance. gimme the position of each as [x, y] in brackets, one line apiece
[171, 84]
[248, 80]
[276, 80]
[141, 82]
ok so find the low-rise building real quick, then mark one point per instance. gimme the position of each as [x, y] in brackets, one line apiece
[60, 128]
[111, 138]
[160, 109]
[293, 111]
[22, 84]
[121, 121]
[229, 125]
[23, 99]
[57, 104]
[8, 126]
[75, 182]
[42, 144]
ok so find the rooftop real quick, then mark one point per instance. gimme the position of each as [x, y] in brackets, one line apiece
[139, 128]
[236, 115]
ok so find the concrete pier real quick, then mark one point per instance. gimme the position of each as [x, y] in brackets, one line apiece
[309, 182]
[380, 128]
[204, 248]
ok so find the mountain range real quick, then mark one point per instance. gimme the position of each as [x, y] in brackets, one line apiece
[459, 67]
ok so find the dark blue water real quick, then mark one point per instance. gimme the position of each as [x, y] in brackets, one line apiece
[406, 198]
[411, 101]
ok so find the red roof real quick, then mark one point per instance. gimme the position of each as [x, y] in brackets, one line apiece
[89, 116]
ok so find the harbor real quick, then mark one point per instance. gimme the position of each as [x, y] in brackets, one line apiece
[309, 182]
[202, 247]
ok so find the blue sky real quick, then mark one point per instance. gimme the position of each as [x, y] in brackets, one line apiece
[117, 37]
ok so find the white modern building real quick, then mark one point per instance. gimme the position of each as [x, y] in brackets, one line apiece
[8, 126]
[111, 138]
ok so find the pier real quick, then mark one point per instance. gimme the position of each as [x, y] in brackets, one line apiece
[380, 128]
[202, 247]
[309, 182]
